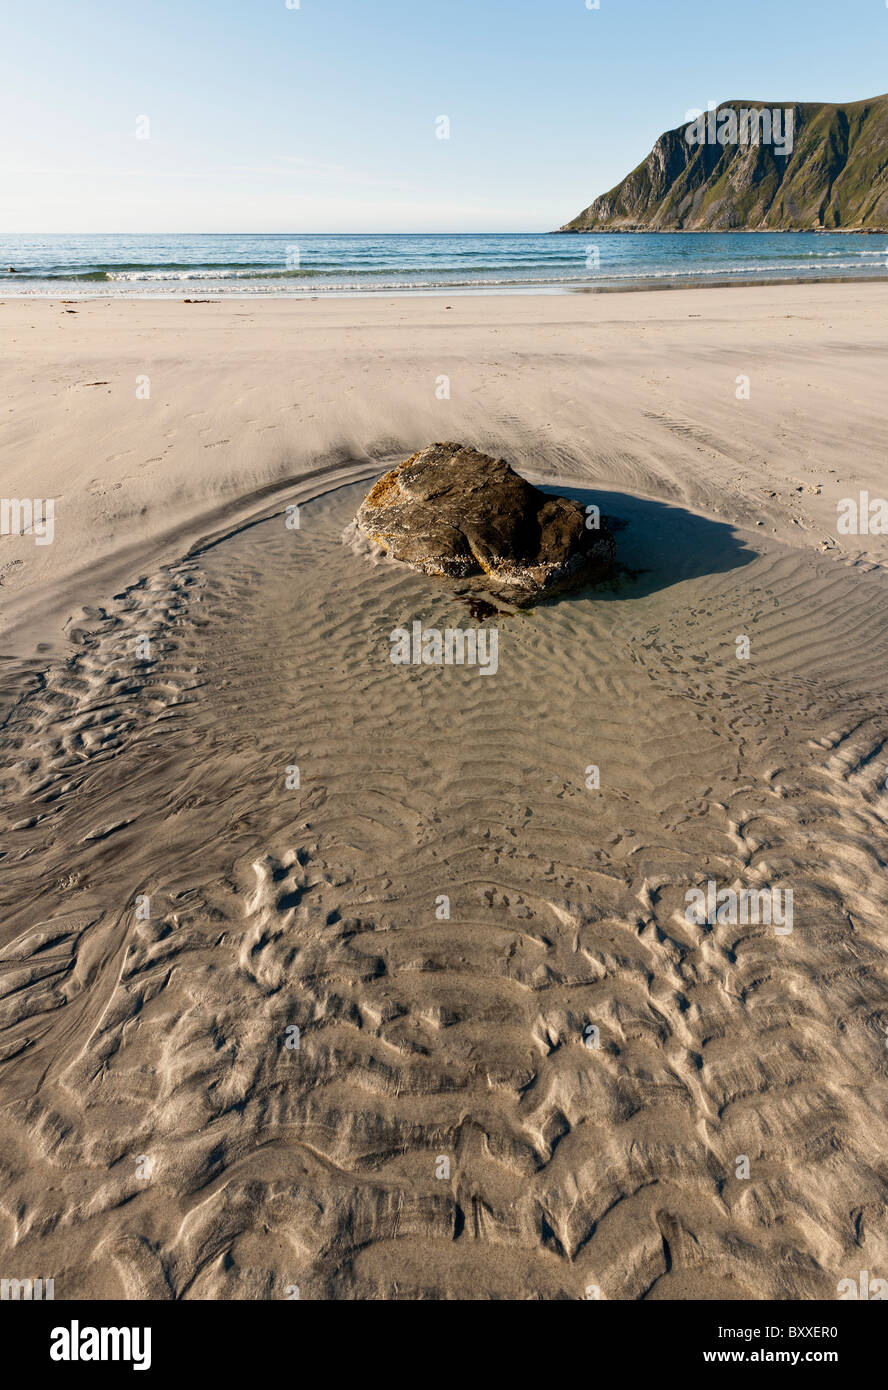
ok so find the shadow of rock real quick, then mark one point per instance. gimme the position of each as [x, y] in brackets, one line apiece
[658, 545]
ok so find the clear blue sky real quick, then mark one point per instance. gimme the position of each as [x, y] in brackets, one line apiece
[322, 118]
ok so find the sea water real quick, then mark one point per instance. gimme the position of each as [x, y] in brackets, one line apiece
[315, 265]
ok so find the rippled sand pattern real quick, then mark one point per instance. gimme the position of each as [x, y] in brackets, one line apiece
[171, 909]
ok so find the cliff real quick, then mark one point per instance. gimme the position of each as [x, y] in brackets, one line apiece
[832, 177]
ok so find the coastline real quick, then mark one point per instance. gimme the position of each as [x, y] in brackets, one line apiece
[536, 287]
[720, 231]
[729, 284]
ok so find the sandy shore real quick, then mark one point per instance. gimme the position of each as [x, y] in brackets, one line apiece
[632, 390]
[564, 1086]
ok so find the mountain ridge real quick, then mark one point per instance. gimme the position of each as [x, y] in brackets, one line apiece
[834, 177]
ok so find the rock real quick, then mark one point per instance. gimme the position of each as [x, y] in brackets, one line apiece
[453, 512]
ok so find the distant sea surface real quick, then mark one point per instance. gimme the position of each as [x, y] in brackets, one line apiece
[277, 265]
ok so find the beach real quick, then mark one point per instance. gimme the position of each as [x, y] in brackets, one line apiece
[634, 390]
[242, 1049]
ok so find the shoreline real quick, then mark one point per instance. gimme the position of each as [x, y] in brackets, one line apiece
[550, 288]
[747, 284]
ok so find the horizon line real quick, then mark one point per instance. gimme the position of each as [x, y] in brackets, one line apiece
[489, 232]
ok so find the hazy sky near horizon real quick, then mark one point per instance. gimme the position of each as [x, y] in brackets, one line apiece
[323, 118]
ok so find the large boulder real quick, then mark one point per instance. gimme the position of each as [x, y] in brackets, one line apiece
[453, 512]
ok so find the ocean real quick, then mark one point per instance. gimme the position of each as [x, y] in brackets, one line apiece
[149, 266]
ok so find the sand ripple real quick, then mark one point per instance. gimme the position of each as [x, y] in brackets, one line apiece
[171, 909]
